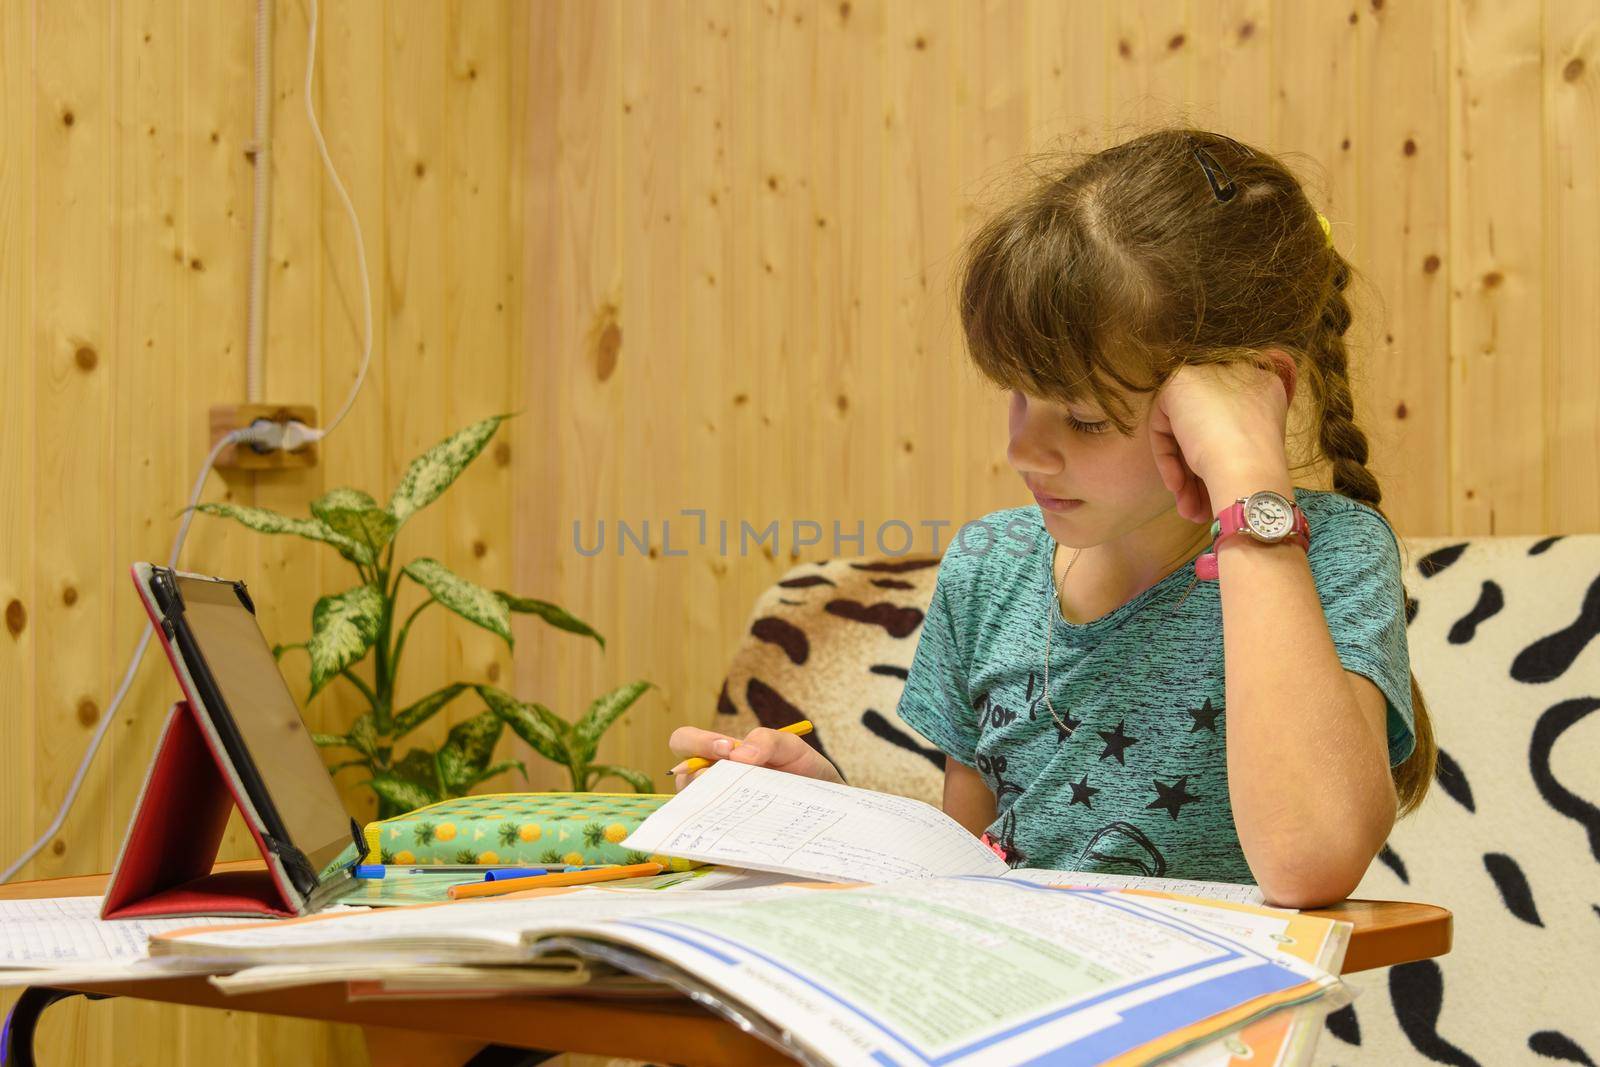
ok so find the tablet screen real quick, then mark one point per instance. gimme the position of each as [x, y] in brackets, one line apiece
[268, 719]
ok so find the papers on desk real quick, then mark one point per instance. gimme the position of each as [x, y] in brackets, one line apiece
[766, 820]
[959, 970]
[64, 937]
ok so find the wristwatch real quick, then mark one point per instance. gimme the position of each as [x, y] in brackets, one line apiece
[1266, 516]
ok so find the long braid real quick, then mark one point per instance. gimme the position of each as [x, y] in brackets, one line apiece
[1342, 442]
[1344, 445]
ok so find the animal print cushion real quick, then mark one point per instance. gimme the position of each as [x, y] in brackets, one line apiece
[1502, 640]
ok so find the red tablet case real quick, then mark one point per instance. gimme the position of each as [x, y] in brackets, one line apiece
[165, 865]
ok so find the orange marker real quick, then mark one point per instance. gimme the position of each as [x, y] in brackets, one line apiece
[695, 763]
[544, 881]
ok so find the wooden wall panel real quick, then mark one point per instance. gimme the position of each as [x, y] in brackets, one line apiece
[126, 169]
[1571, 83]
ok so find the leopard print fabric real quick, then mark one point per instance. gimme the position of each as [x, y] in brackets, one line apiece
[832, 642]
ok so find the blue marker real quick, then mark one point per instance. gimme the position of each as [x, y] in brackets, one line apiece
[514, 872]
[369, 870]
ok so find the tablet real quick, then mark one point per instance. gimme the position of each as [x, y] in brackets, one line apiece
[228, 673]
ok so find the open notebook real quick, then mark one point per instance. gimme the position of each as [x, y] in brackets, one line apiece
[754, 817]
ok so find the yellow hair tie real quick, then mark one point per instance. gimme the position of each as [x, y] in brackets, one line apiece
[1327, 228]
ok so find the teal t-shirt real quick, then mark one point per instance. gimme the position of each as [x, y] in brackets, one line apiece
[1134, 778]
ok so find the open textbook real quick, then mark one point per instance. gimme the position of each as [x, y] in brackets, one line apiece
[744, 816]
[950, 970]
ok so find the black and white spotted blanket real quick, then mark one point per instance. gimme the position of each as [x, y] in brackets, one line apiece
[1503, 635]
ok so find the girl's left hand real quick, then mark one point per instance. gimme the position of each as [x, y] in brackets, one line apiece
[1219, 429]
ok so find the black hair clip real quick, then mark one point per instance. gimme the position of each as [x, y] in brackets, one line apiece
[1222, 184]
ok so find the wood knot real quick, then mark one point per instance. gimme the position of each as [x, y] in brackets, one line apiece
[16, 618]
[1410, 147]
[1176, 42]
[1400, 410]
[88, 712]
[605, 341]
[502, 454]
[86, 358]
[69, 596]
[1493, 279]
[479, 550]
[920, 44]
[68, 118]
[1573, 70]
[59, 847]
[1431, 264]
[493, 672]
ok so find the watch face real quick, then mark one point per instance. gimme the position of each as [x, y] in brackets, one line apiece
[1268, 515]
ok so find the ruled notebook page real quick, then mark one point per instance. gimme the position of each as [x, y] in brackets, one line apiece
[766, 820]
[57, 931]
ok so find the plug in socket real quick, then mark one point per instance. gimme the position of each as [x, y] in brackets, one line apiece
[226, 418]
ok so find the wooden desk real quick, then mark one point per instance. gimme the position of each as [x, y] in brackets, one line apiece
[676, 1031]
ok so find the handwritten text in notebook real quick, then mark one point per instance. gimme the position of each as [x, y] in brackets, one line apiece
[755, 817]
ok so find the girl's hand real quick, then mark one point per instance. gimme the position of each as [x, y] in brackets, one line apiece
[1218, 433]
[761, 747]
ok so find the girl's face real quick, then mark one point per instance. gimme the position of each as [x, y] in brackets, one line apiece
[1109, 479]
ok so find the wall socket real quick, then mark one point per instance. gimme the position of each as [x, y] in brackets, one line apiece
[226, 418]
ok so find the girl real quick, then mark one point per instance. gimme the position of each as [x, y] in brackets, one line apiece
[1117, 682]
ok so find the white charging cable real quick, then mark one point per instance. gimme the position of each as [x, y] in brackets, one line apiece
[268, 435]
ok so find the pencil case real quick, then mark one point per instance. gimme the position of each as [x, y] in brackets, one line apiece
[518, 828]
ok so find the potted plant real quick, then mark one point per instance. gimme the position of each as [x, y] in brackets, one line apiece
[369, 622]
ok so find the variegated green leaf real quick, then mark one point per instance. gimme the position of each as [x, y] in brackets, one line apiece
[263, 521]
[363, 736]
[331, 741]
[403, 795]
[431, 473]
[468, 599]
[545, 732]
[353, 514]
[418, 767]
[343, 627]
[503, 765]
[587, 731]
[467, 749]
[556, 616]
[425, 709]
[638, 779]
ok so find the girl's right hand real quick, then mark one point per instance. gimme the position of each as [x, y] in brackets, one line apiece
[761, 747]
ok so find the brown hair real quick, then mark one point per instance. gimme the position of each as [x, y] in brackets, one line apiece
[1112, 269]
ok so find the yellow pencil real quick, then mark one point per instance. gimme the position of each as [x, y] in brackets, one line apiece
[695, 763]
[543, 881]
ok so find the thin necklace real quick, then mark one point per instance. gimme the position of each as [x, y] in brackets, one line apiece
[1049, 627]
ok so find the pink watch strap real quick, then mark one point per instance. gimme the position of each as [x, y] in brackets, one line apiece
[1231, 521]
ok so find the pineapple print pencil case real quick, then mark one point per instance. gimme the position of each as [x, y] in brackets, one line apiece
[523, 829]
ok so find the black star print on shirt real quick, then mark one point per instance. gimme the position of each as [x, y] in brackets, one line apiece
[1205, 717]
[1066, 726]
[1172, 797]
[1116, 741]
[1081, 791]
